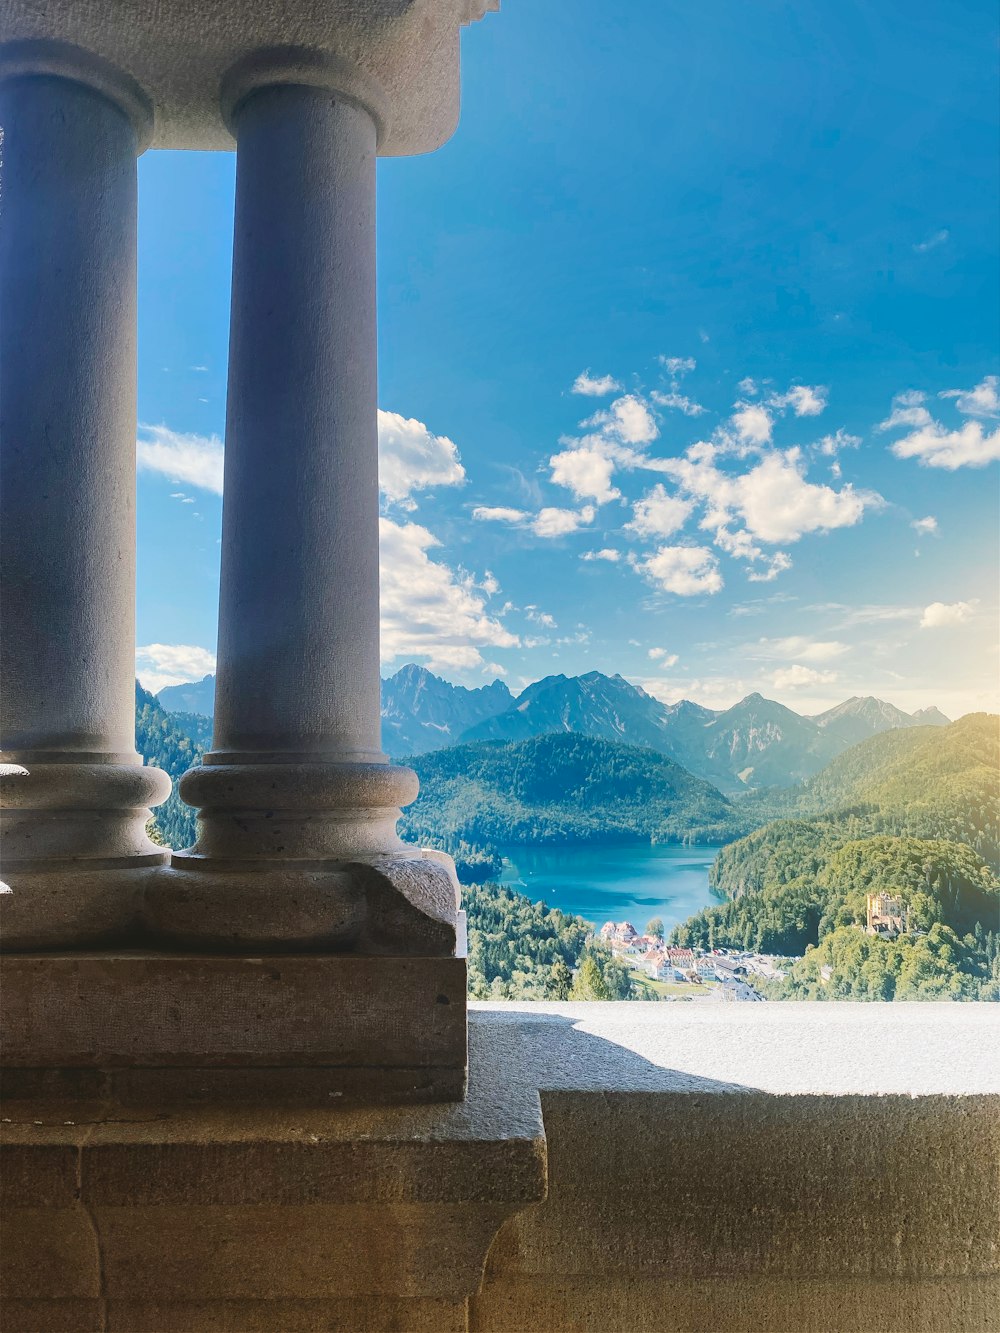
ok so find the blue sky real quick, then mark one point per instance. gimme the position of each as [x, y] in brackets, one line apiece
[688, 357]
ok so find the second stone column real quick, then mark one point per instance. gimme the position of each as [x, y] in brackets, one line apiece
[297, 847]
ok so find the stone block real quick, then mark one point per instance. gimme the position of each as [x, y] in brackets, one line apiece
[47, 1316]
[375, 1027]
[373, 1314]
[49, 1253]
[287, 1252]
[661, 1305]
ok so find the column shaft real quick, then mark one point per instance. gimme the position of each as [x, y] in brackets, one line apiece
[75, 795]
[298, 675]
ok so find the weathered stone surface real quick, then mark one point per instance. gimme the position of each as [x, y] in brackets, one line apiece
[707, 1172]
[49, 1253]
[368, 1314]
[817, 1168]
[643, 1304]
[206, 1219]
[114, 1010]
[54, 1316]
[402, 904]
[398, 57]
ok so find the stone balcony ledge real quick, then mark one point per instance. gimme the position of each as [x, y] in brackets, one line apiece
[616, 1167]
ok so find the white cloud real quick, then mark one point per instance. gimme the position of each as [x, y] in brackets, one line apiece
[762, 568]
[799, 646]
[195, 459]
[774, 500]
[542, 618]
[770, 567]
[925, 526]
[942, 615]
[658, 514]
[981, 401]
[429, 611]
[683, 570]
[594, 386]
[608, 553]
[907, 410]
[798, 677]
[830, 445]
[549, 522]
[934, 445]
[499, 514]
[412, 458]
[628, 419]
[805, 400]
[679, 402]
[161, 664]
[587, 472]
[663, 656]
[753, 423]
[553, 522]
[932, 242]
[677, 365]
[748, 387]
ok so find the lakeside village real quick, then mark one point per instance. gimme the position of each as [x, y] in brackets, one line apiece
[725, 974]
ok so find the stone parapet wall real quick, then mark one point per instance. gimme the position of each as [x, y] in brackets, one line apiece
[615, 1169]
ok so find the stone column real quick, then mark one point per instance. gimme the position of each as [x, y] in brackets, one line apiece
[75, 794]
[296, 798]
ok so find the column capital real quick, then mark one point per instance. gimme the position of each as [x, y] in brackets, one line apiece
[193, 62]
[294, 65]
[63, 60]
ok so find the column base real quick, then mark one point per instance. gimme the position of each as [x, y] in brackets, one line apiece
[312, 1029]
[390, 904]
[77, 860]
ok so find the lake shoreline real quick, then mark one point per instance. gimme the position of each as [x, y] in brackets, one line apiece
[614, 881]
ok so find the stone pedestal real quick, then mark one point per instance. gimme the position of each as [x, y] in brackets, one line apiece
[74, 794]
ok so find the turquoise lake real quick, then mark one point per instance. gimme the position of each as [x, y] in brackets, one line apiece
[614, 883]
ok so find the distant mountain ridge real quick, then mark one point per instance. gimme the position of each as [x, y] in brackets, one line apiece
[422, 712]
[197, 696]
[757, 743]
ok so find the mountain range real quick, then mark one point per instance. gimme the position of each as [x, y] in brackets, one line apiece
[756, 743]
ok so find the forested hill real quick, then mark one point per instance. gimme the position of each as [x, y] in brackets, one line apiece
[931, 782]
[163, 743]
[912, 814]
[565, 788]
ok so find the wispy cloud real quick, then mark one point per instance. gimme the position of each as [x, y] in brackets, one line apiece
[677, 366]
[797, 646]
[981, 401]
[664, 656]
[194, 459]
[548, 522]
[932, 242]
[594, 386]
[679, 402]
[798, 677]
[805, 400]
